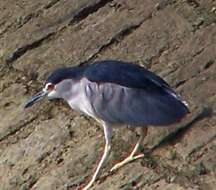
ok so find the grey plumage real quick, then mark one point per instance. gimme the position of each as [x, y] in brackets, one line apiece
[115, 92]
[137, 107]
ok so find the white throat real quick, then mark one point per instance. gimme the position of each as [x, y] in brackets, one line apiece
[76, 97]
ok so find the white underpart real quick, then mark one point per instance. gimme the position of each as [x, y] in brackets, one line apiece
[73, 92]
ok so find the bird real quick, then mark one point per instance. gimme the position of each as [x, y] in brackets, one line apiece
[115, 93]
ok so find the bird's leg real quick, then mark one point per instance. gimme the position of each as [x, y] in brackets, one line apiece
[132, 156]
[108, 135]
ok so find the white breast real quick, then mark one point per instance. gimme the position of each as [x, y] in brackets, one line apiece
[78, 99]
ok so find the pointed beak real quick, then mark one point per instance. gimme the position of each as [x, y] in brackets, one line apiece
[40, 95]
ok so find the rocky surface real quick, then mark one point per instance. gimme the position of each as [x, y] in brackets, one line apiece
[50, 147]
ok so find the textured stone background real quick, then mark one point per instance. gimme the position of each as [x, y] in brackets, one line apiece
[50, 147]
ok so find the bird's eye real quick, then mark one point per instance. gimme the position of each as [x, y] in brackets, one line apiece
[49, 87]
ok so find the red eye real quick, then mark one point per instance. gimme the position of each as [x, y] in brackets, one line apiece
[49, 87]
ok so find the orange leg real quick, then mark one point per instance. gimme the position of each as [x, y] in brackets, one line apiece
[132, 156]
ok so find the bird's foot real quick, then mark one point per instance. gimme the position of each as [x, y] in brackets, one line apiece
[126, 161]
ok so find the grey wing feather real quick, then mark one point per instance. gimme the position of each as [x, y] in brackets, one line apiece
[116, 104]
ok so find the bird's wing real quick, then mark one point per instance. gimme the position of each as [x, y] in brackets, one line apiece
[125, 74]
[114, 103]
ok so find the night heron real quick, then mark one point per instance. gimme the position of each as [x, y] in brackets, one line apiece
[115, 93]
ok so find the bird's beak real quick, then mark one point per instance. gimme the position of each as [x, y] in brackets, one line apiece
[40, 95]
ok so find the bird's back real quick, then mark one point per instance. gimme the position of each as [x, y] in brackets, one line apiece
[123, 73]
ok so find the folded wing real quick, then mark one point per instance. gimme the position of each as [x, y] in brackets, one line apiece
[137, 107]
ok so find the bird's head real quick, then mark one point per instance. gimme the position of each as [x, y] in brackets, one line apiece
[50, 91]
[58, 85]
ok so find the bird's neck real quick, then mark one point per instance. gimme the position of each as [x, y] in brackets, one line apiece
[77, 98]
